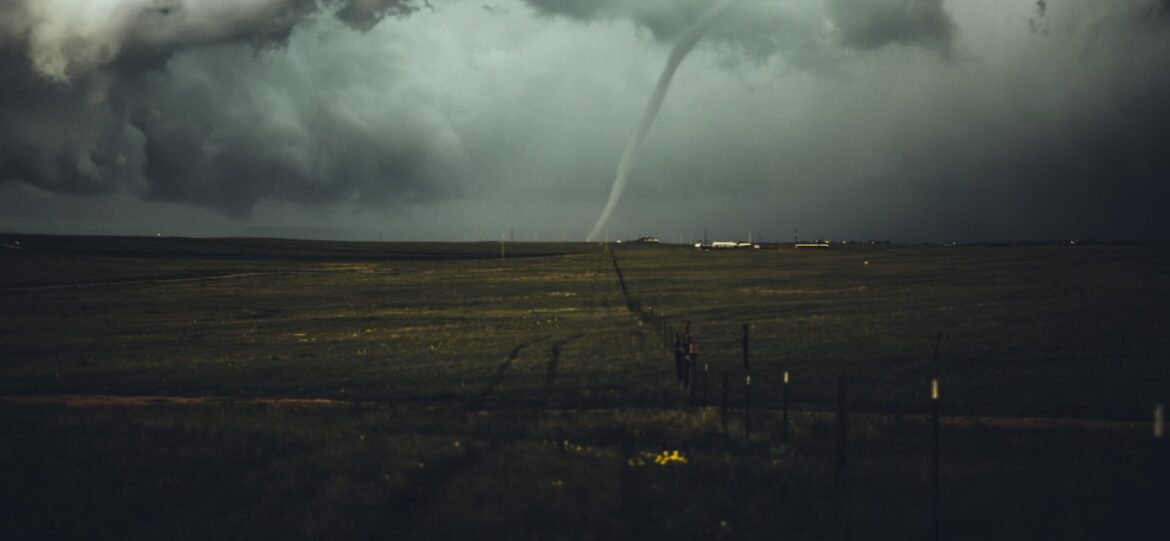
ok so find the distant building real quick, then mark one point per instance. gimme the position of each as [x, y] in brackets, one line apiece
[726, 245]
[648, 240]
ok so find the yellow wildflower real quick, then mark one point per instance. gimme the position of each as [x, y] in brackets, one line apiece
[670, 457]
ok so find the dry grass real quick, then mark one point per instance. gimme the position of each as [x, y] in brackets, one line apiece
[365, 390]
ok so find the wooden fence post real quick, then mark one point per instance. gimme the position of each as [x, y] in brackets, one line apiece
[934, 473]
[723, 409]
[842, 430]
[784, 437]
[690, 379]
[692, 370]
[1159, 514]
[705, 370]
[747, 408]
[745, 349]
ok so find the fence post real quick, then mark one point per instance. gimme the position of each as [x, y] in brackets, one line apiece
[934, 474]
[723, 409]
[747, 408]
[842, 430]
[1159, 513]
[784, 436]
[690, 379]
[705, 370]
[745, 349]
[692, 371]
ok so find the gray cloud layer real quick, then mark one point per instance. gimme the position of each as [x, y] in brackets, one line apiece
[90, 105]
[899, 118]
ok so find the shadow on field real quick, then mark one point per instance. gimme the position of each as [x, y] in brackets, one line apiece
[551, 374]
[477, 402]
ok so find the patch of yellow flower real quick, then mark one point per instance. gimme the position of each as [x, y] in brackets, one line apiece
[670, 457]
[662, 459]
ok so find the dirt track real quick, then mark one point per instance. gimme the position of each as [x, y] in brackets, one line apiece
[139, 281]
[95, 400]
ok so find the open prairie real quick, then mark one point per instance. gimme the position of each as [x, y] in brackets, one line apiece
[196, 388]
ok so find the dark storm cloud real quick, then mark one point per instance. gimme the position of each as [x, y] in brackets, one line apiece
[272, 132]
[165, 98]
[1023, 136]
[869, 118]
[1036, 22]
[364, 14]
[766, 28]
[751, 29]
[87, 105]
[876, 23]
[577, 9]
[664, 18]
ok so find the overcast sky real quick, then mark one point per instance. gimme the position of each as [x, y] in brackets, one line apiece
[908, 120]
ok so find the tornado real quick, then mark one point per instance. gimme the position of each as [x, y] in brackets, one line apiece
[683, 45]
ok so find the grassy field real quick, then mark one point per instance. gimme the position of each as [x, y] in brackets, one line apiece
[195, 388]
